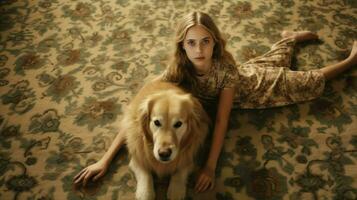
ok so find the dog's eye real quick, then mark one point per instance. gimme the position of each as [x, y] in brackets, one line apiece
[157, 123]
[178, 124]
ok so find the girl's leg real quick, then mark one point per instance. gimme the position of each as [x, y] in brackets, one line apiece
[264, 87]
[299, 36]
[279, 55]
[329, 71]
[281, 52]
[333, 70]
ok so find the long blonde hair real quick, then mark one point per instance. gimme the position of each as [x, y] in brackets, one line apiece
[181, 70]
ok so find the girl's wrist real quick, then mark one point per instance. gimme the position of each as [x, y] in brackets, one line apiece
[104, 162]
[211, 165]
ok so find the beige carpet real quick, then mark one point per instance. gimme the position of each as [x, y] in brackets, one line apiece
[68, 68]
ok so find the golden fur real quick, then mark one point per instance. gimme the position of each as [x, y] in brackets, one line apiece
[183, 129]
[138, 136]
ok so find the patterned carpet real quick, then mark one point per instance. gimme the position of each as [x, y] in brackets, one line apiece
[68, 68]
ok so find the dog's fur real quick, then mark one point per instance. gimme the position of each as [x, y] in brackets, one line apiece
[180, 129]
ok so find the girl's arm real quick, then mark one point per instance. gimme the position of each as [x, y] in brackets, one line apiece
[95, 171]
[114, 148]
[223, 111]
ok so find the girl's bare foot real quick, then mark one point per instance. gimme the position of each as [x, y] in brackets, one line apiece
[353, 55]
[333, 70]
[300, 36]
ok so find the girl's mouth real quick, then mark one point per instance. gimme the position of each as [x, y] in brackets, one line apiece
[200, 58]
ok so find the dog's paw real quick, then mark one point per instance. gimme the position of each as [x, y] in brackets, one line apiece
[144, 194]
[174, 192]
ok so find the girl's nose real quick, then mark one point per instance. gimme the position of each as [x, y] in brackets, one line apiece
[199, 48]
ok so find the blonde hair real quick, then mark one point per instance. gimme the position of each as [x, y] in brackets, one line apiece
[181, 70]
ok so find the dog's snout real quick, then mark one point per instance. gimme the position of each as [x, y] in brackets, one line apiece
[165, 154]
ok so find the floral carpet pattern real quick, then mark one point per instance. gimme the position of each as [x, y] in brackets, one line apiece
[69, 68]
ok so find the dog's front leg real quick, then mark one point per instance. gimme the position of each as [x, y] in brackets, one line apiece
[145, 186]
[177, 187]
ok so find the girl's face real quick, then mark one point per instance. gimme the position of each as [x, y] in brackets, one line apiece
[198, 45]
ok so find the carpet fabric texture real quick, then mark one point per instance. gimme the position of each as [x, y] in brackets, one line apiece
[69, 68]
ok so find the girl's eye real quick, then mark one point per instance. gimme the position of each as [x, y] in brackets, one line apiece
[157, 123]
[205, 41]
[178, 124]
[191, 43]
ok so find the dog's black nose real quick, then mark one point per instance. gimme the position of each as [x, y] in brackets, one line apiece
[165, 154]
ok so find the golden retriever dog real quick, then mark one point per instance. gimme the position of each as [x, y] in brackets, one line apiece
[163, 127]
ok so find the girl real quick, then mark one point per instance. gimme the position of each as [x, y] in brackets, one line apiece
[202, 65]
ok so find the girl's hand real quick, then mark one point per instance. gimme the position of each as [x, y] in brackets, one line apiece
[92, 172]
[205, 179]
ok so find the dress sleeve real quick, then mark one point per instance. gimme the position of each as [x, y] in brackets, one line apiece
[230, 77]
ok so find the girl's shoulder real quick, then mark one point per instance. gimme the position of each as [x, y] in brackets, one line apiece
[225, 67]
[226, 75]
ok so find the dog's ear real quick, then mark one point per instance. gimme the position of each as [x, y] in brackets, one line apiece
[198, 122]
[144, 117]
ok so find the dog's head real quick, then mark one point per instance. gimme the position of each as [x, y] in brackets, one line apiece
[169, 121]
